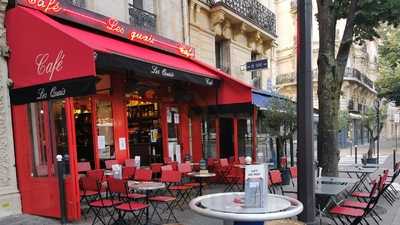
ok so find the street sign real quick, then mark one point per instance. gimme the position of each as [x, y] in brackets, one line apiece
[257, 65]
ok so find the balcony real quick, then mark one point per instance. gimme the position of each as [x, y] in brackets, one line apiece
[142, 19]
[356, 75]
[350, 74]
[250, 10]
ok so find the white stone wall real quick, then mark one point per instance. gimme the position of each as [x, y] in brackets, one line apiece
[9, 194]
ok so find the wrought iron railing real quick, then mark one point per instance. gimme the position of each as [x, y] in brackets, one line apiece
[142, 19]
[252, 10]
[357, 75]
[350, 73]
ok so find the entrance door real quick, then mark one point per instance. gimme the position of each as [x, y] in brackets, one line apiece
[226, 138]
[42, 131]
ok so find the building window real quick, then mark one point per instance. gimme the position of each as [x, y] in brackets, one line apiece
[222, 52]
[256, 75]
[48, 129]
[138, 4]
[79, 3]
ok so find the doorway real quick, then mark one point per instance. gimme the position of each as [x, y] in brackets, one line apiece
[49, 132]
[226, 138]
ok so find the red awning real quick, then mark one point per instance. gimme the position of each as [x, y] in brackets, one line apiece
[44, 51]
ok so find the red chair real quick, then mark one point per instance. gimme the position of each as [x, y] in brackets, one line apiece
[130, 163]
[174, 165]
[101, 205]
[275, 177]
[358, 214]
[169, 200]
[143, 175]
[86, 195]
[128, 173]
[173, 181]
[167, 160]
[210, 164]
[293, 174]
[119, 189]
[166, 167]
[83, 167]
[184, 169]
[156, 169]
[98, 174]
[109, 163]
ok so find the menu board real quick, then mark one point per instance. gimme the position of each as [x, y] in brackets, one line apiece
[256, 189]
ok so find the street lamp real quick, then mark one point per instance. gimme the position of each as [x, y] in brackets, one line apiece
[377, 105]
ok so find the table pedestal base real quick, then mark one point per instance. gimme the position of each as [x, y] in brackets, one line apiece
[243, 223]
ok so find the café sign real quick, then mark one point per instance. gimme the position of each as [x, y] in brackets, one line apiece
[65, 10]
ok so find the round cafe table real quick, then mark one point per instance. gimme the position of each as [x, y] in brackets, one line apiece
[229, 207]
[200, 177]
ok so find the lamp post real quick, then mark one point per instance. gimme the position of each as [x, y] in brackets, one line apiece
[305, 154]
[377, 108]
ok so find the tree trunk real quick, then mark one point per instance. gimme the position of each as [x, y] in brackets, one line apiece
[328, 92]
[331, 70]
[279, 150]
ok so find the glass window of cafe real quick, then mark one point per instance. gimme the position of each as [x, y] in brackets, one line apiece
[209, 137]
[48, 129]
[95, 122]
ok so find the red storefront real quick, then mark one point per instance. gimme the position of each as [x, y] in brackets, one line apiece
[93, 89]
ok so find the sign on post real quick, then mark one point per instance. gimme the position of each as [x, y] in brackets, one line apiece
[257, 65]
[397, 117]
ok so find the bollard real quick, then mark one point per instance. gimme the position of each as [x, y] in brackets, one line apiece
[355, 153]
[394, 159]
[61, 187]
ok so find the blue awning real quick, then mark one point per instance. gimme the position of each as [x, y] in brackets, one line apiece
[262, 99]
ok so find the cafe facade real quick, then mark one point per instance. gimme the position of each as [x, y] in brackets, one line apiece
[92, 88]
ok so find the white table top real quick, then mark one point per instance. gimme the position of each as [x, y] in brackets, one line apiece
[222, 206]
[353, 169]
[322, 189]
[334, 180]
[145, 186]
[198, 174]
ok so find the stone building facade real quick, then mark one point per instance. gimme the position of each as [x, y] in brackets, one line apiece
[358, 90]
[9, 195]
[227, 34]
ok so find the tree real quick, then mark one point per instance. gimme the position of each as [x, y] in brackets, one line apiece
[388, 84]
[362, 18]
[369, 121]
[280, 122]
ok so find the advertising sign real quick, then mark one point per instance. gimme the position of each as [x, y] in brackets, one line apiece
[256, 186]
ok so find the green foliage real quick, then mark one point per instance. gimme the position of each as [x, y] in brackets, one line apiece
[388, 84]
[370, 122]
[343, 119]
[369, 16]
[279, 119]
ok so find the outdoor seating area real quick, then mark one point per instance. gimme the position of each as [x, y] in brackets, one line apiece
[154, 194]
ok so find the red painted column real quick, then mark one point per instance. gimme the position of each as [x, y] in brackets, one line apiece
[120, 120]
[254, 134]
[164, 129]
[184, 130]
[217, 135]
[235, 139]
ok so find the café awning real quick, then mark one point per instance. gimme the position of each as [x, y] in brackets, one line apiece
[46, 52]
